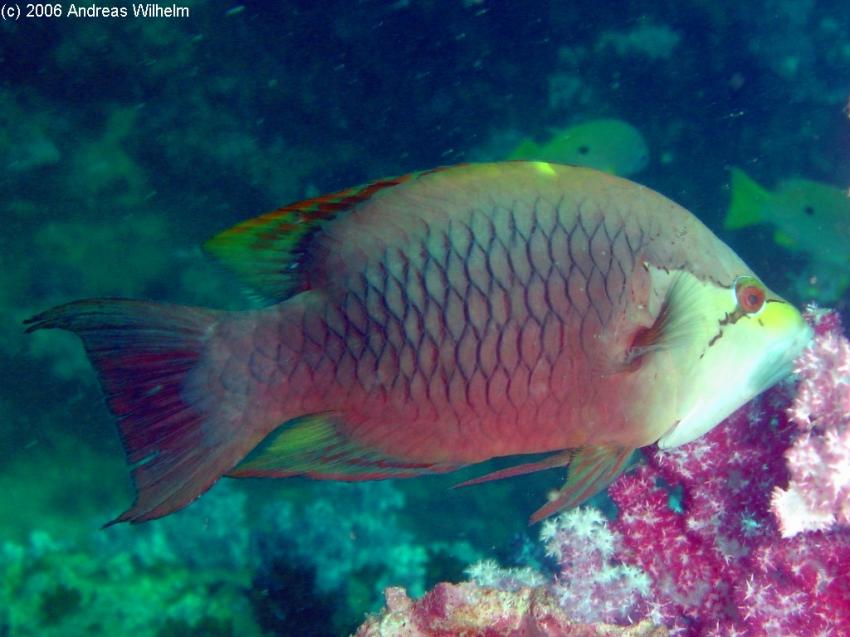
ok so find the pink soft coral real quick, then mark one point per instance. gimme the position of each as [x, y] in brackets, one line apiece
[716, 559]
[818, 495]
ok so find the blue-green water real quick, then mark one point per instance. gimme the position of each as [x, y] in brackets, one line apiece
[125, 142]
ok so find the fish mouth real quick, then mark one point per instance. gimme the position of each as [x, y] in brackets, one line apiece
[778, 362]
[752, 357]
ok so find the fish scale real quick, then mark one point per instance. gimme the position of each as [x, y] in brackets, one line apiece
[435, 297]
[423, 323]
[411, 332]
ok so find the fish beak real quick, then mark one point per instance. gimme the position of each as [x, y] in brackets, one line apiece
[779, 358]
[750, 355]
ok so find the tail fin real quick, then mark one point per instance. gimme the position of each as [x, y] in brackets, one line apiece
[142, 353]
[527, 149]
[748, 201]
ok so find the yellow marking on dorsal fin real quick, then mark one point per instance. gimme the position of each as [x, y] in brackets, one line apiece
[545, 168]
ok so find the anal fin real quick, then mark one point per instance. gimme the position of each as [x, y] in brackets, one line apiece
[592, 469]
[315, 445]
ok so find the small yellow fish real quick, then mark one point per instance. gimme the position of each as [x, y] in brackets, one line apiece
[611, 145]
[808, 216]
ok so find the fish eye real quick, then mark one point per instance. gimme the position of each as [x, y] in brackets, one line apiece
[749, 294]
[809, 210]
[583, 150]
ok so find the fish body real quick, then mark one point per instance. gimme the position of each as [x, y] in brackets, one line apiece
[611, 145]
[433, 321]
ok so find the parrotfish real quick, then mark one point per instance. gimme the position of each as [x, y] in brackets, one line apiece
[611, 145]
[428, 322]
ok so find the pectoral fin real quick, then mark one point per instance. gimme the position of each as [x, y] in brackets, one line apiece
[592, 469]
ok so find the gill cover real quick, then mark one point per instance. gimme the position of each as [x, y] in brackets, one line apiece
[734, 342]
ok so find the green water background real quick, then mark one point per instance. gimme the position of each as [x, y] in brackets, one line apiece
[124, 143]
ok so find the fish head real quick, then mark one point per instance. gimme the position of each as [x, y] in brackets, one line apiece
[724, 345]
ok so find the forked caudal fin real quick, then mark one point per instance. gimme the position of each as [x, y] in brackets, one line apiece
[142, 352]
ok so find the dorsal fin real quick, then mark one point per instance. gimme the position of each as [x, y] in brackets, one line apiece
[271, 253]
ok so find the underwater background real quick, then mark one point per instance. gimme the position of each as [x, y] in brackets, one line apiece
[126, 142]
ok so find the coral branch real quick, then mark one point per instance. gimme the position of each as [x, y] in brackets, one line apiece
[818, 495]
[449, 610]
